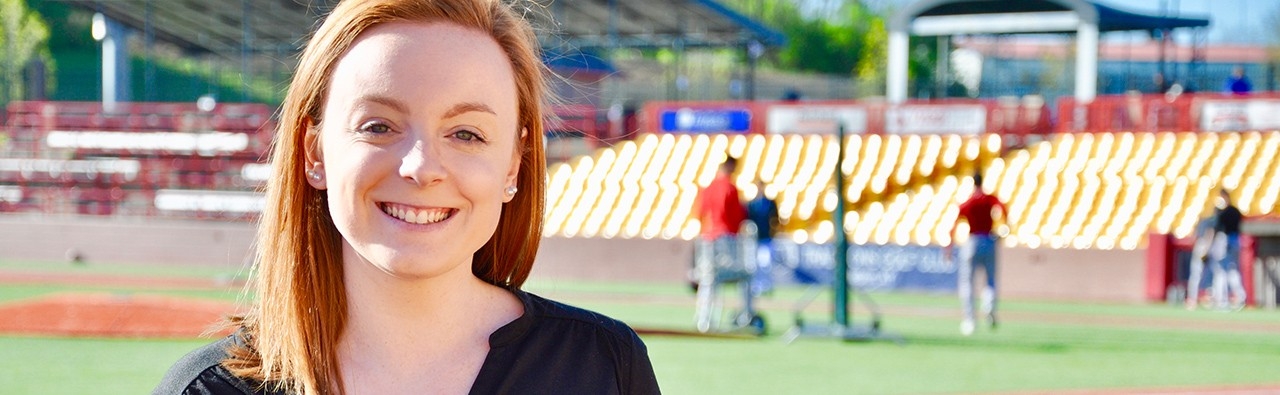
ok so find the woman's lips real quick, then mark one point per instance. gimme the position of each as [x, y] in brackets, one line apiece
[415, 215]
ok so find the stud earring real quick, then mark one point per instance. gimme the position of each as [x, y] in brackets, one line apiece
[314, 173]
[511, 191]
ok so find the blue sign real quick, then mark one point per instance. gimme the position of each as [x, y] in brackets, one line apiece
[688, 120]
[871, 267]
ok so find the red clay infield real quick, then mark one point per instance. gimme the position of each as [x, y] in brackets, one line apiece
[101, 314]
[113, 315]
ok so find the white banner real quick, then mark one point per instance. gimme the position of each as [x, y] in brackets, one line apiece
[206, 143]
[1240, 115]
[1221, 116]
[209, 201]
[10, 193]
[816, 119]
[936, 119]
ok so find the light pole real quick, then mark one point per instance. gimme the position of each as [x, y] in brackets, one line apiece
[99, 31]
[115, 75]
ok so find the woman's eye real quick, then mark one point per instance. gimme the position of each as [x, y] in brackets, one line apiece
[375, 128]
[467, 135]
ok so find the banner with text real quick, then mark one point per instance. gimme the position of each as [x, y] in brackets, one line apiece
[936, 119]
[1240, 115]
[871, 267]
[816, 119]
[691, 120]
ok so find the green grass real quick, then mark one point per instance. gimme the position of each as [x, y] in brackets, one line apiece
[86, 366]
[1040, 346]
[177, 271]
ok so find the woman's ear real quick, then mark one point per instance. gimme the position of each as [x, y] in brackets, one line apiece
[516, 154]
[313, 167]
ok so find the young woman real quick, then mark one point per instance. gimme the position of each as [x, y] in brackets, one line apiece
[403, 213]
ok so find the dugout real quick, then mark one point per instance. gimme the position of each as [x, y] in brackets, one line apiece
[1168, 256]
[1265, 261]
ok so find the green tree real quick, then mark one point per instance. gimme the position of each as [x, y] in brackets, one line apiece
[823, 41]
[873, 59]
[73, 24]
[23, 37]
[843, 37]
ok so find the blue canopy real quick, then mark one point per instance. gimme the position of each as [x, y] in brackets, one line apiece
[1111, 19]
[576, 60]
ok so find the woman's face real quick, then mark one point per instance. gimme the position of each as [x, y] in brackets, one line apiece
[417, 145]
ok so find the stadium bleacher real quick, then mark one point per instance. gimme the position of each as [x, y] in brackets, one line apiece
[1082, 191]
[646, 188]
[145, 159]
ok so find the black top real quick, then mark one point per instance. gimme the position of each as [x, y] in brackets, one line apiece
[553, 348]
[1228, 220]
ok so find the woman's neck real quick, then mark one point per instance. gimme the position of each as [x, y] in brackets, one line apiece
[419, 328]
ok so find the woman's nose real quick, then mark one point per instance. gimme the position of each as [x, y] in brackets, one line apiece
[422, 164]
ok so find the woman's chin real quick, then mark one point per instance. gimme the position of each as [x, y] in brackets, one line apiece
[416, 269]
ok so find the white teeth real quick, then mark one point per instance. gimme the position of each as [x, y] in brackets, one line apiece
[415, 216]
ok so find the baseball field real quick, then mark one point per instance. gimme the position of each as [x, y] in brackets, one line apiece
[115, 329]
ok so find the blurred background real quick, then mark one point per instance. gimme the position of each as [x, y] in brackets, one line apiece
[135, 135]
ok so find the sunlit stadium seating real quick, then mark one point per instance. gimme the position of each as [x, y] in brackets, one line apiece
[1073, 191]
[647, 188]
[1109, 190]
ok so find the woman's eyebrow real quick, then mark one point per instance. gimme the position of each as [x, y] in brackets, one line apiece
[385, 101]
[465, 107]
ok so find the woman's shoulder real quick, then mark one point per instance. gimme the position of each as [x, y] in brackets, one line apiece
[201, 372]
[565, 349]
[551, 313]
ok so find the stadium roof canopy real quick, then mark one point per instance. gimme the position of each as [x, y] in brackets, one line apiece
[221, 27]
[652, 23]
[235, 27]
[1085, 18]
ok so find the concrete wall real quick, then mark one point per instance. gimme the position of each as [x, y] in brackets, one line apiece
[1090, 275]
[1081, 275]
[614, 259]
[50, 238]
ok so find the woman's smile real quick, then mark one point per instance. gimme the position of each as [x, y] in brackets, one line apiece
[416, 215]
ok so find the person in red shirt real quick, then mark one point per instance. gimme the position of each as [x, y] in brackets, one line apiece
[719, 209]
[721, 213]
[981, 212]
